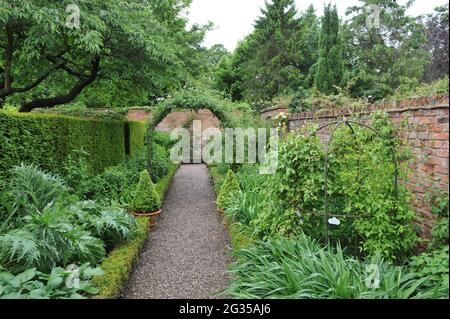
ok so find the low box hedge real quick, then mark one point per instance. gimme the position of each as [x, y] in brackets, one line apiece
[119, 263]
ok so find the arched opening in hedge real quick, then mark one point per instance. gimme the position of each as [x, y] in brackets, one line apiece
[184, 100]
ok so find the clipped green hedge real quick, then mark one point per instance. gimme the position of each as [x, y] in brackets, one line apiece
[138, 131]
[46, 140]
[118, 265]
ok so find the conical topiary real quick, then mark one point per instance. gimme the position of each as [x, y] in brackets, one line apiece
[227, 191]
[146, 199]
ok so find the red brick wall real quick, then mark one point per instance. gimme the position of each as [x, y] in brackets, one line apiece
[270, 113]
[427, 134]
[176, 119]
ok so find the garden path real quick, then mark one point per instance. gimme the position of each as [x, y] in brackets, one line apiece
[187, 256]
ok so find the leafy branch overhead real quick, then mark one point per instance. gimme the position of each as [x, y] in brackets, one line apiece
[119, 45]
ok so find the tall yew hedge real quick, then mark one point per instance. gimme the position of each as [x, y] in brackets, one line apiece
[47, 140]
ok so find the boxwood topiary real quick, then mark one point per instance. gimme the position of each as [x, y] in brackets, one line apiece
[146, 199]
[229, 187]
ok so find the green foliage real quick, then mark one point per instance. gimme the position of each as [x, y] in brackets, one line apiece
[330, 66]
[375, 216]
[276, 58]
[117, 266]
[33, 188]
[32, 284]
[434, 262]
[163, 139]
[146, 199]
[413, 90]
[48, 227]
[434, 266]
[229, 189]
[48, 140]
[300, 268]
[163, 184]
[76, 170]
[440, 207]
[138, 131]
[154, 52]
[161, 162]
[118, 183]
[380, 60]
[113, 225]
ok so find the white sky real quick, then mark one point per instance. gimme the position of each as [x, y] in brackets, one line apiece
[234, 18]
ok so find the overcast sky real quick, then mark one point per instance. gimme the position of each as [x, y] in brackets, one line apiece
[234, 18]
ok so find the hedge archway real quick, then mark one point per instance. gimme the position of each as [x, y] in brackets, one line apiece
[185, 100]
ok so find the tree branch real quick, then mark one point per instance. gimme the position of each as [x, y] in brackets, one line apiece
[29, 87]
[70, 96]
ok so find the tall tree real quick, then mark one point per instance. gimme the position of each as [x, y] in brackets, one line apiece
[276, 58]
[126, 46]
[383, 58]
[330, 67]
[436, 28]
[308, 39]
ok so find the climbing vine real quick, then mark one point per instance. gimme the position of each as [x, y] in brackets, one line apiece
[194, 99]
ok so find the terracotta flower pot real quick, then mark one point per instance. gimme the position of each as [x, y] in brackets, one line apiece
[153, 217]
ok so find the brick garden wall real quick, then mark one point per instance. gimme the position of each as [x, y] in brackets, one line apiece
[426, 133]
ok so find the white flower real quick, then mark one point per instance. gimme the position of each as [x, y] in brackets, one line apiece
[297, 212]
[334, 221]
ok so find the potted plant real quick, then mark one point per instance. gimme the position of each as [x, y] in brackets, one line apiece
[146, 202]
[229, 187]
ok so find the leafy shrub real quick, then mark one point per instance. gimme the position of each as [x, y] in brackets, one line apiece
[48, 239]
[434, 266]
[32, 284]
[360, 185]
[160, 163]
[113, 226]
[435, 262]
[300, 268]
[163, 139]
[76, 170]
[440, 208]
[146, 200]
[229, 188]
[117, 184]
[34, 188]
[52, 228]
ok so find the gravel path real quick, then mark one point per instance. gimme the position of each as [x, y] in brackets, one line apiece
[187, 256]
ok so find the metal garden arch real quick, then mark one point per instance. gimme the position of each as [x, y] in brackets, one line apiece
[350, 124]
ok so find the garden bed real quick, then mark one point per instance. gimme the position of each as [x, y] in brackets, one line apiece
[119, 263]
